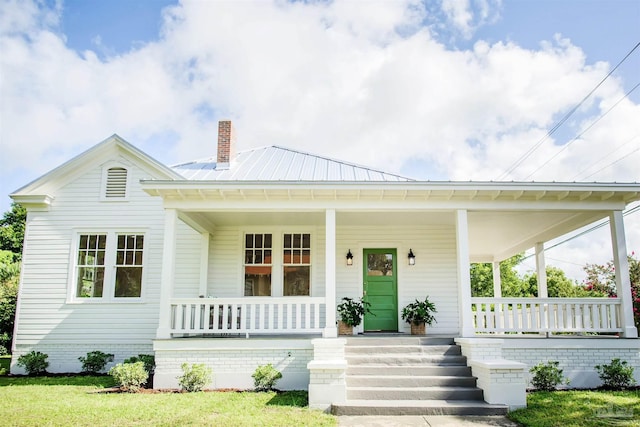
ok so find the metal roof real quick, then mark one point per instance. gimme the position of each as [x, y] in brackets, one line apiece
[281, 164]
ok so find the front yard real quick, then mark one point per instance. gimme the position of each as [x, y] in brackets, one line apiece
[64, 401]
[580, 409]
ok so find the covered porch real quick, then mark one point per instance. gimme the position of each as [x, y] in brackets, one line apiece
[446, 226]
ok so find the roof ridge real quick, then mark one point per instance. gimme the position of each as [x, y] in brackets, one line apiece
[368, 168]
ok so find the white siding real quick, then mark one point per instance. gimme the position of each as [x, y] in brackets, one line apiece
[187, 283]
[434, 273]
[45, 314]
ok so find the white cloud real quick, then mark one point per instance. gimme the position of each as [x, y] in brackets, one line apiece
[365, 84]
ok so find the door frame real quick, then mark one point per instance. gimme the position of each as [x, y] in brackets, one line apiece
[396, 276]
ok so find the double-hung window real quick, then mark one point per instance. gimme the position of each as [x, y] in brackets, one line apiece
[296, 264]
[257, 264]
[109, 266]
[277, 264]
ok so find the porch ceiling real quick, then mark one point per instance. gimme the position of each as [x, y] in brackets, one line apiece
[493, 235]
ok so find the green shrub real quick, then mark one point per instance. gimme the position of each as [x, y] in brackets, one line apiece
[130, 376]
[195, 376]
[95, 361]
[265, 377]
[3, 371]
[149, 361]
[546, 376]
[617, 375]
[34, 362]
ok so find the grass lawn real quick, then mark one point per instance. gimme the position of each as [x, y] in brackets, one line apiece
[5, 361]
[64, 401]
[580, 408]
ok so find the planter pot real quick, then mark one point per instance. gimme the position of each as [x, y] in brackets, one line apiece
[418, 329]
[344, 329]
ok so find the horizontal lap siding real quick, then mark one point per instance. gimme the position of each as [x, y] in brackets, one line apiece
[187, 274]
[45, 316]
[434, 273]
[225, 259]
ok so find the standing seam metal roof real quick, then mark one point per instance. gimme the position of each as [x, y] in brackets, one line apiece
[276, 163]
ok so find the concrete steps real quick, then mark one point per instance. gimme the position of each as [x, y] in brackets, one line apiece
[404, 375]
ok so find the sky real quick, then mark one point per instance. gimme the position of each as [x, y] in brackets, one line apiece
[433, 90]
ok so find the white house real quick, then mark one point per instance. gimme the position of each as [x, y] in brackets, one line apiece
[240, 260]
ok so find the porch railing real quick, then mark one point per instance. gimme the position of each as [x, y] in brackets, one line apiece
[513, 315]
[250, 315]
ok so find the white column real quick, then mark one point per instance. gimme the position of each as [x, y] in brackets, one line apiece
[497, 281]
[204, 263]
[168, 273]
[330, 330]
[623, 281]
[541, 271]
[464, 276]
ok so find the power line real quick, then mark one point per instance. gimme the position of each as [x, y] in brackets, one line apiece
[574, 139]
[613, 163]
[589, 230]
[564, 119]
[602, 159]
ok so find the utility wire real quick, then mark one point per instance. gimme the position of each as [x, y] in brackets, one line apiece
[602, 159]
[589, 230]
[575, 138]
[564, 119]
[612, 163]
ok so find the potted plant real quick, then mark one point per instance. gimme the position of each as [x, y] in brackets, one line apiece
[351, 312]
[419, 314]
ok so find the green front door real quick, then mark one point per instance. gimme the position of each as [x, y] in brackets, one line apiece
[381, 289]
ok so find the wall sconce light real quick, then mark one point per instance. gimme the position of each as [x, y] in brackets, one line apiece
[412, 258]
[349, 258]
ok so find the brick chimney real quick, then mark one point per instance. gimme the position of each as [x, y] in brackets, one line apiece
[226, 144]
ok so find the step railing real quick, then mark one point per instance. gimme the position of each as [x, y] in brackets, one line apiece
[250, 315]
[546, 315]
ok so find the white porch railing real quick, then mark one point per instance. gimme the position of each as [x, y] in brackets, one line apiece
[502, 315]
[250, 315]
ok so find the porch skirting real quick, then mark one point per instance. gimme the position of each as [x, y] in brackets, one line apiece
[234, 360]
[63, 357]
[577, 356]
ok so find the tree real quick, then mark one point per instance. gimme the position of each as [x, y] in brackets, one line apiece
[482, 277]
[12, 227]
[602, 278]
[9, 278]
[559, 285]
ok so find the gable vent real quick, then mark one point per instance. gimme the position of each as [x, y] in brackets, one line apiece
[116, 183]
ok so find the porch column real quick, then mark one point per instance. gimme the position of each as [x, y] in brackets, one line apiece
[497, 281]
[541, 271]
[168, 273]
[204, 263]
[330, 329]
[464, 276]
[623, 281]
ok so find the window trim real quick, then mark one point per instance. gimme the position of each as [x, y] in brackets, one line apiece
[111, 248]
[277, 257]
[105, 180]
[300, 264]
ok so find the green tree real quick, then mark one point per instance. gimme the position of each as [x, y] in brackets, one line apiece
[9, 278]
[558, 285]
[12, 227]
[482, 277]
[601, 278]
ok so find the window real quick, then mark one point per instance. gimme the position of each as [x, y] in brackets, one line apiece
[257, 264]
[296, 264]
[109, 265]
[91, 250]
[115, 183]
[129, 265]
